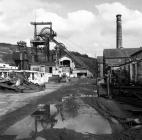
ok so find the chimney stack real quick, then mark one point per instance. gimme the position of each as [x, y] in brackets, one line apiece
[118, 31]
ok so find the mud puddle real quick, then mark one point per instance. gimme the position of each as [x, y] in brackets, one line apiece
[71, 114]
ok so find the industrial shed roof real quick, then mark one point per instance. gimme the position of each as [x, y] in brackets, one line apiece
[119, 53]
[137, 52]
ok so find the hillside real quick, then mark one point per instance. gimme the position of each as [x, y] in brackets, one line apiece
[90, 62]
[6, 55]
[6, 51]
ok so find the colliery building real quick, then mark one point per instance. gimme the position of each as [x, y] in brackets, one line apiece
[116, 57]
[126, 63]
[122, 61]
[134, 66]
[66, 66]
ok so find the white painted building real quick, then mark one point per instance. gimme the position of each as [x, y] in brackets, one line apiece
[7, 66]
[67, 66]
[66, 62]
[43, 68]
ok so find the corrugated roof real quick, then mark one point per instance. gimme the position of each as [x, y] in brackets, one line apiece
[119, 53]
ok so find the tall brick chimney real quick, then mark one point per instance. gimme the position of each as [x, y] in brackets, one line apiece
[118, 31]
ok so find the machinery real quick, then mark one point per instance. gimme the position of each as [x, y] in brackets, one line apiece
[61, 46]
[21, 56]
[44, 37]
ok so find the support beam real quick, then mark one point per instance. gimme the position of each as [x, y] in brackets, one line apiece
[41, 23]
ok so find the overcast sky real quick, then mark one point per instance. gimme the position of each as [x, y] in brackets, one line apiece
[86, 26]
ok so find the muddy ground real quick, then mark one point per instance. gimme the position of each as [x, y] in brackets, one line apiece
[53, 94]
[107, 108]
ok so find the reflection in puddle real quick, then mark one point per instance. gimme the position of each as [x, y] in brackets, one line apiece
[40, 138]
[26, 127]
[85, 120]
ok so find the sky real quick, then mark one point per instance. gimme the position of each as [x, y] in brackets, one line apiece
[86, 26]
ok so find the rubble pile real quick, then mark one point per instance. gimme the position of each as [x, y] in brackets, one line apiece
[18, 82]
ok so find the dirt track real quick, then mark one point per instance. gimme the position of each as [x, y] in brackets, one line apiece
[53, 95]
[17, 106]
[82, 86]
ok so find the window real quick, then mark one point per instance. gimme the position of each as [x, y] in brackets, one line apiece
[50, 69]
[32, 76]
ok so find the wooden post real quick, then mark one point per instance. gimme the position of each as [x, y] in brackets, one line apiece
[98, 86]
[108, 83]
[47, 50]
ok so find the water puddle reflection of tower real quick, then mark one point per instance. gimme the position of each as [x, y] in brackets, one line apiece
[43, 117]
